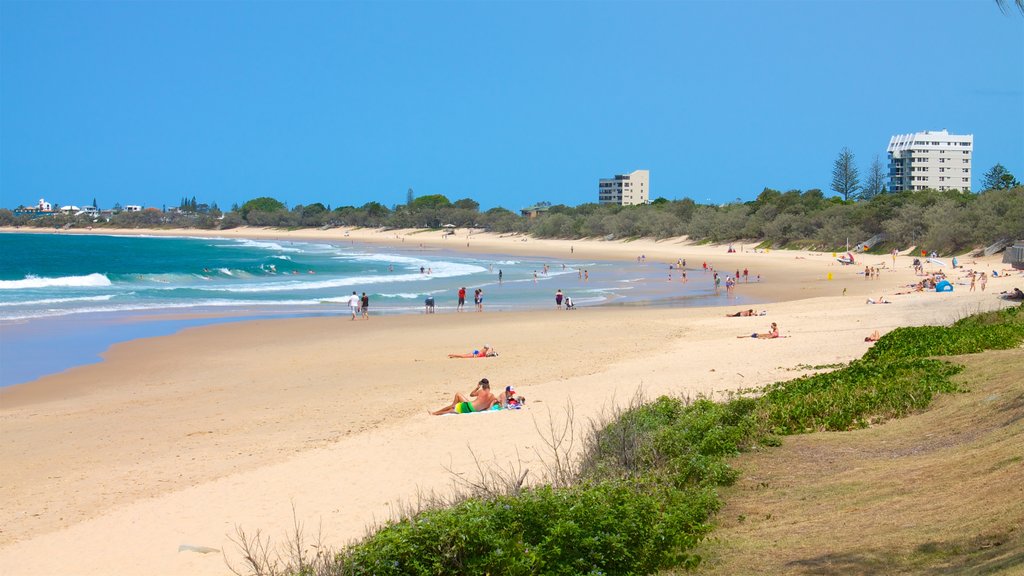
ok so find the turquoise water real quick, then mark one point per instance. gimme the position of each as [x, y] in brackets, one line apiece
[64, 299]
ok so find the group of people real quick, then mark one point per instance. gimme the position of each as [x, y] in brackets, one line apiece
[478, 300]
[977, 278]
[870, 272]
[481, 399]
[359, 305]
[561, 299]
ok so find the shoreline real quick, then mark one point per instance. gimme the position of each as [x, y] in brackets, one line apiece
[178, 439]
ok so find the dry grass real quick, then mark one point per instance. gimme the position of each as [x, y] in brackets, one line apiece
[940, 492]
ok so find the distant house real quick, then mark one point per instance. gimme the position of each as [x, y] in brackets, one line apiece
[43, 208]
[133, 208]
[535, 210]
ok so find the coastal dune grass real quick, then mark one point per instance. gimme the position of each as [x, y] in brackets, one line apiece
[939, 492]
[648, 481]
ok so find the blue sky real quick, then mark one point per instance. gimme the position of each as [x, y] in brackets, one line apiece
[508, 103]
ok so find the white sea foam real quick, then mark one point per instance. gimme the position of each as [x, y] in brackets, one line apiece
[143, 306]
[91, 280]
[246, 243]
[407, 295]
[289, 285]
[45, 301]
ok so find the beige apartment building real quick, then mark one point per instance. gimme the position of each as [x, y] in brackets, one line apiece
[625, 189]
[935, 160]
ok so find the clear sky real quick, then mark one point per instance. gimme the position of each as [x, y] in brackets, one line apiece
[508, 103]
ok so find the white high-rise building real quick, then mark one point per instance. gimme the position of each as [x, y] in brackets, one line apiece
[625, 189]
[935, 160]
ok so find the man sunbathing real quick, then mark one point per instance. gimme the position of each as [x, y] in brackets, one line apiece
[773, 333]
[482, 401]
[742, 313]
[481, 353]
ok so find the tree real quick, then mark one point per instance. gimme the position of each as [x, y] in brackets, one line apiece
[998, 178]
[875, 184]
[430, 201]
[467, 204]
[845, 180]
[261, 204]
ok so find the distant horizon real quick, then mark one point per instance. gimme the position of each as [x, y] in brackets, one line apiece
[509, 104]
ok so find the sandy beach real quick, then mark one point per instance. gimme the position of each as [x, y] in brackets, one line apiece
[177, 440]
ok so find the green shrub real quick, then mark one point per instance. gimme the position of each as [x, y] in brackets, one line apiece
[647, 482]
[613, 527]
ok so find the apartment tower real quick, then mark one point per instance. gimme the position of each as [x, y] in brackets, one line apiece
[625, 189]
[935, 160]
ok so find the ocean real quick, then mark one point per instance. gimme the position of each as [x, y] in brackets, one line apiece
[64, 299]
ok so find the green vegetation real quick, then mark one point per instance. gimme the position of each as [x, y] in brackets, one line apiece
[640, 497]
[946, 222]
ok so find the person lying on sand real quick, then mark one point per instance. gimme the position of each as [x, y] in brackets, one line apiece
[482, 401]
[1016, 295]
[742, 313]
[773, 333]
[481, 353]
[881, 300]
[875, 336]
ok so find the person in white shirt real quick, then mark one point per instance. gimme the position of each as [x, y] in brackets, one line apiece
[353, 304]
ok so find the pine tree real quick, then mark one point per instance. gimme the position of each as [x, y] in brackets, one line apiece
[845, 180]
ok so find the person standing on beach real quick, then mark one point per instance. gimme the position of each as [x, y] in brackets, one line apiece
[353, 304]
[479, 300]
[462, 299]
[365, 305]
[558, 299]
[983, 280]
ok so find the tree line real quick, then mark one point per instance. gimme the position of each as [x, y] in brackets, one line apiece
[947, 221]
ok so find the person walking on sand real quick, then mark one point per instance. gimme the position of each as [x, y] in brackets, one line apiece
[479, 400]
[353, 304]
[365, 305]
[983, 280]
[462, 299]
[972, 281]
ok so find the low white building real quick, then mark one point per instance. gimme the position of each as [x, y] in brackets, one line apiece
[625, 189]
[935, 160]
